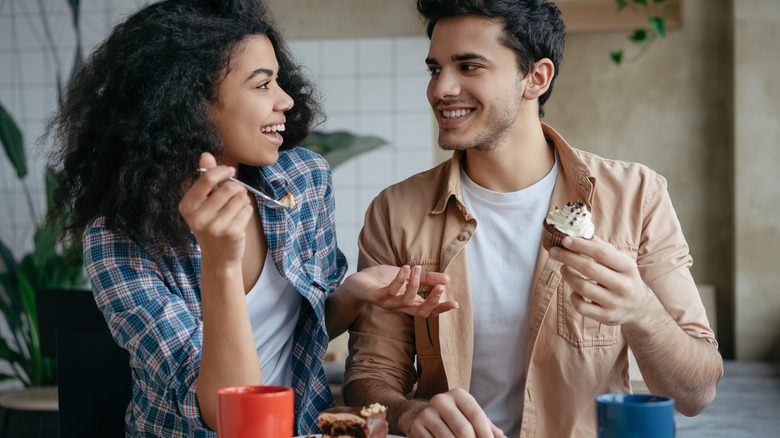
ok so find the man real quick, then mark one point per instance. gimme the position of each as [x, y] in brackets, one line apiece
[538, 334]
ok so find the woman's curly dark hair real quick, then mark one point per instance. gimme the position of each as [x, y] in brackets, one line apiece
[135, 120]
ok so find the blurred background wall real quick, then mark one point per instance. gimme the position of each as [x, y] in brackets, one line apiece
[700, 107]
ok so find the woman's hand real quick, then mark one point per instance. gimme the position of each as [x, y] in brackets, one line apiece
[393, 288]
[217, 212]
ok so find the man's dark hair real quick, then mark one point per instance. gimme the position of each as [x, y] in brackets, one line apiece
[136, 119]
[533, 28]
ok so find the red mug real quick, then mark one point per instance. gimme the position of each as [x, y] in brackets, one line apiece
[255, 411]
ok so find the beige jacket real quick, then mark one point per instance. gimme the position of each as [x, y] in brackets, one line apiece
[571, 359]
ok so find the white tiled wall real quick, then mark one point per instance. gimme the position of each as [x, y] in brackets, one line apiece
[372, 87]
[369, 86]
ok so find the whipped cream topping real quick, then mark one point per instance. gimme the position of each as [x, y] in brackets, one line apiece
[375, 408]
[573, 219]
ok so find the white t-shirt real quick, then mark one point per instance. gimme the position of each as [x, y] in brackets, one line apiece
[274, 306]
[502, 259]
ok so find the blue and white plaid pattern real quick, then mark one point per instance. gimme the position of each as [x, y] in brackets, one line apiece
[151, 300]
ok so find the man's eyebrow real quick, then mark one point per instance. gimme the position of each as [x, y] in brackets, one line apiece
[260, 71]
[461, 57]
[469, 57]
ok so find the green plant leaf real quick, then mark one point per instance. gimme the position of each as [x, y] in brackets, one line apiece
[77, 58]
[617, 56]
[639, 36]
[8, 258]
[27, 292]
[4, 377]
[11, 355]
[621, 4]
[641, 2]
[74, 11]
[7, 300]
[13, 143]
[340, 146]
[46, 237]
[657, 25]
[27, 299]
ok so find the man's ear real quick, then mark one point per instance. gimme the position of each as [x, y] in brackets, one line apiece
[539, 79]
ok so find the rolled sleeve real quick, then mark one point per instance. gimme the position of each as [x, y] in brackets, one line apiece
[664, 262]
[381, 343]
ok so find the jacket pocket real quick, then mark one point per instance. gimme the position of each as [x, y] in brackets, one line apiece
[578, 330]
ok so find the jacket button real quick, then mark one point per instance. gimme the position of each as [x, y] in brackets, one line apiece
[463, 236]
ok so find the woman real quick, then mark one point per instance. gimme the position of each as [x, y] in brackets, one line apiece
[201, 283]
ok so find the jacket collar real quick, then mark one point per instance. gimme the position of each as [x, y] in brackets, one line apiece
[572, 166]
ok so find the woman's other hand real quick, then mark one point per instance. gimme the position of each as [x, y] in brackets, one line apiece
[396, 289]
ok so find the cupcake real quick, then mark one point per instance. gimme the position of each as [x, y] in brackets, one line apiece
[573, 220]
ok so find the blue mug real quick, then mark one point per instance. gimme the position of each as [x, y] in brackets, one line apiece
[635, 416]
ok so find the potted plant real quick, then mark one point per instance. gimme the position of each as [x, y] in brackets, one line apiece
[50, 264]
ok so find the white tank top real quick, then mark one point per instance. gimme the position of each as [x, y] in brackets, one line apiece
[501, 259]
[274, 306]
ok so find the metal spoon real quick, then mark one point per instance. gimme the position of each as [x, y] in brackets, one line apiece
[287, 200]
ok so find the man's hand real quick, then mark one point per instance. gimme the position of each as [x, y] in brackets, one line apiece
[606, 283]
[453, 413]
[608, 288]
[395, 289]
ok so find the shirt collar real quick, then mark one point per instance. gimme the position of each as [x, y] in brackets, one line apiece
[571, 165]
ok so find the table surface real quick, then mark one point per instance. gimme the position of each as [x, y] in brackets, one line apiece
[747, 404]
[42, 398]
[317, 435]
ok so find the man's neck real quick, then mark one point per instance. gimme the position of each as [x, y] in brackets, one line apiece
[523, 158]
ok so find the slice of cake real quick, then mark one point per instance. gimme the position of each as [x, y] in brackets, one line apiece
[352, 422]
[288, 200]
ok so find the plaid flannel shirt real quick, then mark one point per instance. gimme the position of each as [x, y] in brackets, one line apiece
[150, 298]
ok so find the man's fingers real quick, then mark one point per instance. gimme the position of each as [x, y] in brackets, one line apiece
[466, 418]
[482, 426]
[498, 433]
[600, 251]
[429, 424]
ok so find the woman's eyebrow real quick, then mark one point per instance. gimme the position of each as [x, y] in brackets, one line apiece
[260, 71]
